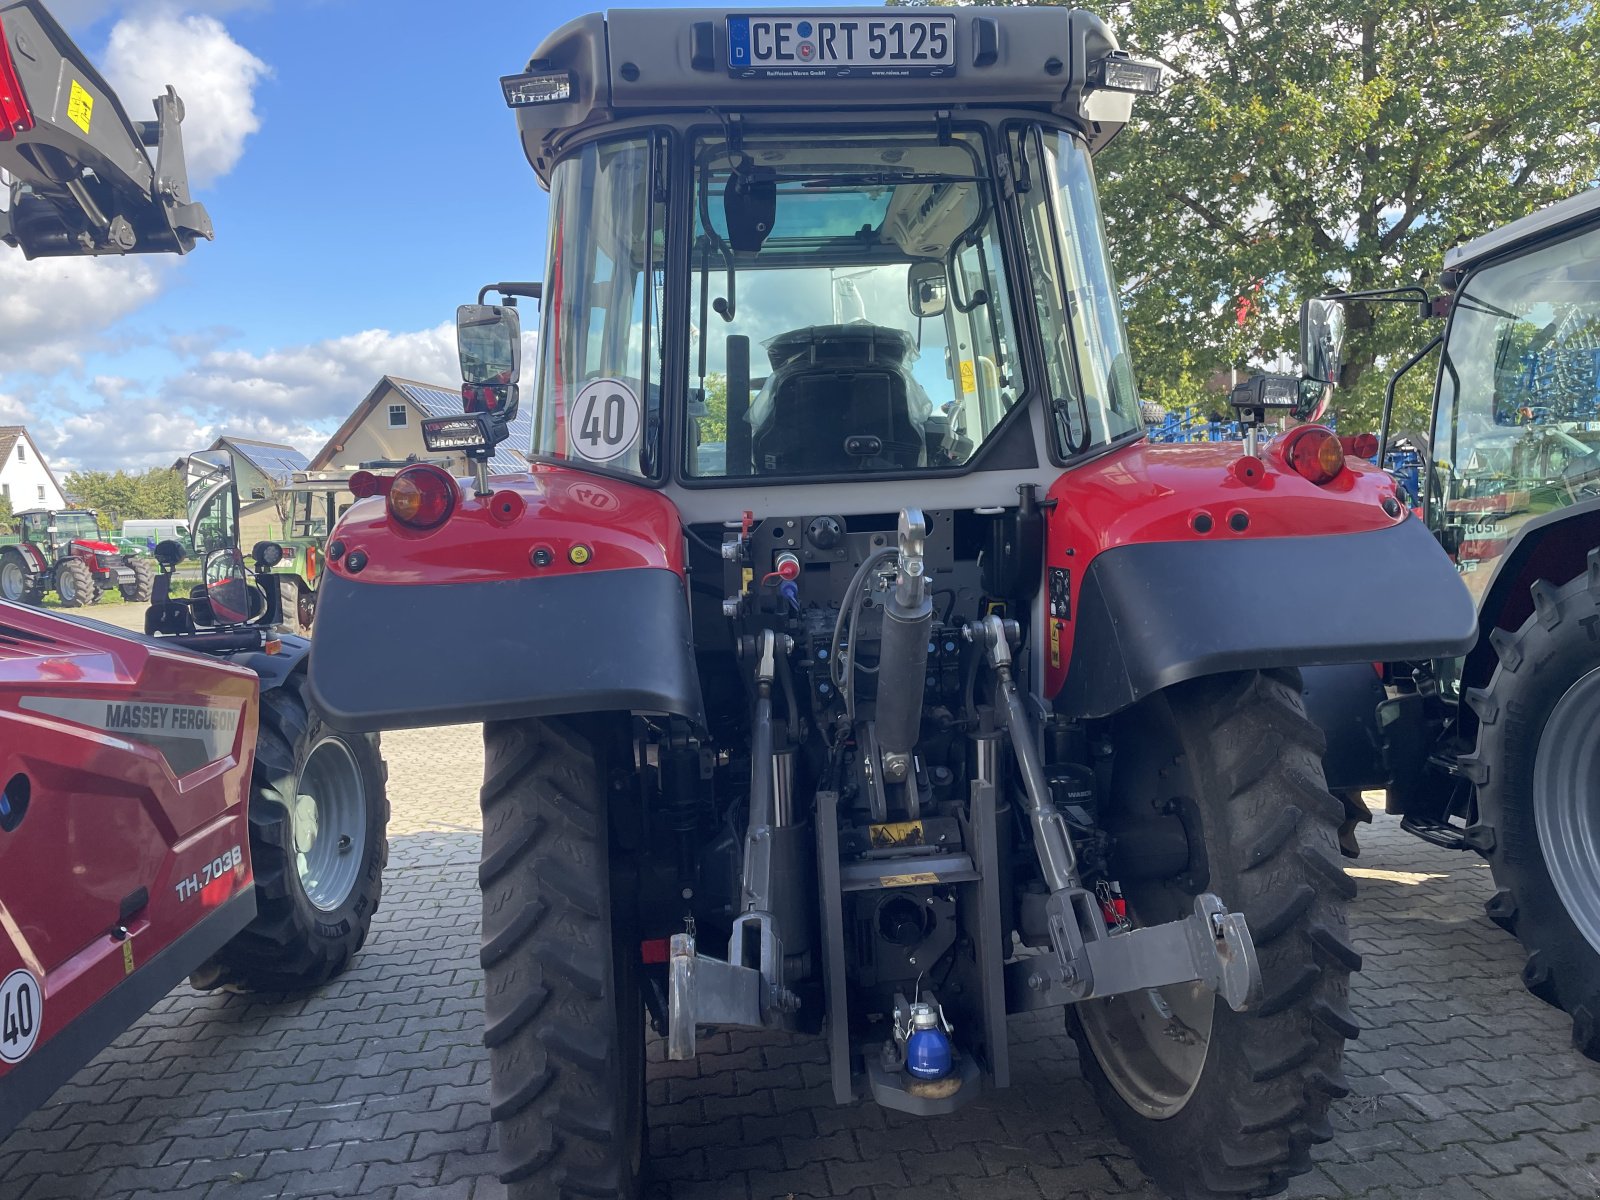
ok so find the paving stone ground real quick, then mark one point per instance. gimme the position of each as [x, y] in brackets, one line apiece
[375, 1086]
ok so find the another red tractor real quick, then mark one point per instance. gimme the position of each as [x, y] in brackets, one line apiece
[849, 664]
[63, 550]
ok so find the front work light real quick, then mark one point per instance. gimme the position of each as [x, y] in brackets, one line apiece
[537, 87]
[1118, 72]
[422, 496]
[469, 432]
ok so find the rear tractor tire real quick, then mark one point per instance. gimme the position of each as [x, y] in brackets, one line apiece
[17, 583]
[563, 1019]
[143, 585]
[1214, 1102]
[1537, 771]
[319, 817]
[75, 584]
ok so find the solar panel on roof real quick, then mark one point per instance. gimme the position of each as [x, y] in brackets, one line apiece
[277, 463]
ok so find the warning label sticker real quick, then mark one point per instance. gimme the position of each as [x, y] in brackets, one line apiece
[80, 106]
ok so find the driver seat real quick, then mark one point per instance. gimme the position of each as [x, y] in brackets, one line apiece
[839, 403]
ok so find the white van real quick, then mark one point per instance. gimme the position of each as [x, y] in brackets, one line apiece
[151, 532]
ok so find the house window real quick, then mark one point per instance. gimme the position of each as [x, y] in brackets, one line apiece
[21, 457]
[5, 491]
[41, 491]
[397, 416]
[258, 493]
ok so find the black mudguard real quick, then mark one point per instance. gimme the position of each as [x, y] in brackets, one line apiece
[1157, 613]
[274, 669]
[399, 656]
[1343, 701]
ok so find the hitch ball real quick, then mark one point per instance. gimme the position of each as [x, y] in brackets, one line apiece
[928, 1052]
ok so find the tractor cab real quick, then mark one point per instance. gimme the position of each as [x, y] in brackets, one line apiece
[244, 601]
[780, 270]
[63, 533]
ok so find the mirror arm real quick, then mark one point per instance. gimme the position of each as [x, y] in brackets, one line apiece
[1406, 294]
[531, 291]
[1388, 395]
[273, 617]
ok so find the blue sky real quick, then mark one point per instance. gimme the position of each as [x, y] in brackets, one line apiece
[364, 176]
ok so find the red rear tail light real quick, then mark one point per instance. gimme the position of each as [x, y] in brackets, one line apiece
[15, 117]
[364, 483]
[1314, 453]
[422, 496]
[1360, 445]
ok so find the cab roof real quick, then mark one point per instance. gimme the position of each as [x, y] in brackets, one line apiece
[1547, 222]
[624, 63]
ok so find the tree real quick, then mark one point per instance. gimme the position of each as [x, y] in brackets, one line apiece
[122, 495]
[1304, 146]
[7, 517]
[714, 425]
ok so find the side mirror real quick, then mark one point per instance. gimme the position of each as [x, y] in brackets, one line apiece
[927, 289]
[234, 600]
[169, 554]
[1322, 339]
[489, 341]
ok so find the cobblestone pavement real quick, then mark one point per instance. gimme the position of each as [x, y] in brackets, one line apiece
[1463, 1084]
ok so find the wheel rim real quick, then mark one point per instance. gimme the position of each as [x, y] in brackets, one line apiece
[65, 588]
[1152, 1045]
[12, 581]
[1566, 782]
[328, 824]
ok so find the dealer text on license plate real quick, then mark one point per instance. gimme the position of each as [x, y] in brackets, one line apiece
[833, 47]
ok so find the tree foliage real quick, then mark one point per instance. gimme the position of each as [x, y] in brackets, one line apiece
[126, 496]
[1306, 146]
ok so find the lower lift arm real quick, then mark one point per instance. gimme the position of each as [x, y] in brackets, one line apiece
[1087, 960]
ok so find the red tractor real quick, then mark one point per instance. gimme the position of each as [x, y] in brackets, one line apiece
[850, 665]
[63, 550]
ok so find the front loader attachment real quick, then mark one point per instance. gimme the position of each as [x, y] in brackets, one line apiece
[81, 181]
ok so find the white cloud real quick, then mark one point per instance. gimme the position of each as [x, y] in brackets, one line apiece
[215, 76]
[318, 382]
[52, 308]
[296, 395]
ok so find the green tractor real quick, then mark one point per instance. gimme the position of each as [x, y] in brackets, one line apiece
[64, 550]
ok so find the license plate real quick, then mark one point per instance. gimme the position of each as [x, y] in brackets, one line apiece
[841, 47]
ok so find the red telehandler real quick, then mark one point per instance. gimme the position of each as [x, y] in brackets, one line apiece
[170, 805]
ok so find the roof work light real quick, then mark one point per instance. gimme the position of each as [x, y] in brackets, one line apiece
[1120, 72]
[537, 87]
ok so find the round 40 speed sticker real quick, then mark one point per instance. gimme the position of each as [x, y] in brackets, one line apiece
[21, 1014]
[605, 420]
